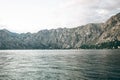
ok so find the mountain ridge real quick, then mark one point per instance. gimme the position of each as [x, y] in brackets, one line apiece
[65, 38]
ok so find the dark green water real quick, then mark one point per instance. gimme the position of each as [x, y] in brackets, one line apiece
[60, 65]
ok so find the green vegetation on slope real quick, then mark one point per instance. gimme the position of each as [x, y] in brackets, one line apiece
[105, 45]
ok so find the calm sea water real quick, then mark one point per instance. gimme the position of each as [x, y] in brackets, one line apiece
[60, 65]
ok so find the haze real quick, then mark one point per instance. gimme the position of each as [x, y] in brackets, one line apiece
[34, 15]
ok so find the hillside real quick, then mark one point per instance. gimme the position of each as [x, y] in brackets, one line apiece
[111, 29]
[91, 35]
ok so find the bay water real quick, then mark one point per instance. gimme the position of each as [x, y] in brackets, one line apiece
[60, 64]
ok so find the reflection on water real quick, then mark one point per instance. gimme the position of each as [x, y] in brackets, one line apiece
[60, 65]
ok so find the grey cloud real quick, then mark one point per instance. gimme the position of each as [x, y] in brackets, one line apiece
[97, 10]
[109, 4]
[103, 9]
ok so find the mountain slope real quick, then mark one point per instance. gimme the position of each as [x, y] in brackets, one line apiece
[111, 29]
[61, 38]
[68, 38]
[93, 35]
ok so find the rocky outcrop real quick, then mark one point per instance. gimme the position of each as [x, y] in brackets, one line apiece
[68, 38]
[63, 38]
[111, 29]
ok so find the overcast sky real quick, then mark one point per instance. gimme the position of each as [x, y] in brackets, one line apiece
[34, 15]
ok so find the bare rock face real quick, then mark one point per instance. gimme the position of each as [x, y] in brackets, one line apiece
[111, 29]
[63, 38]
[67, 38]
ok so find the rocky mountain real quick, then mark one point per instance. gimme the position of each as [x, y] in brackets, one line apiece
[64, 38]
[111, 29]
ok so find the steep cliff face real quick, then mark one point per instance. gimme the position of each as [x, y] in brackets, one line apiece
[69, 38]
[63, 38]
[111, 29]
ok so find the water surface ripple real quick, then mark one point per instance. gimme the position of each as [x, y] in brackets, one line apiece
[60, 65]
